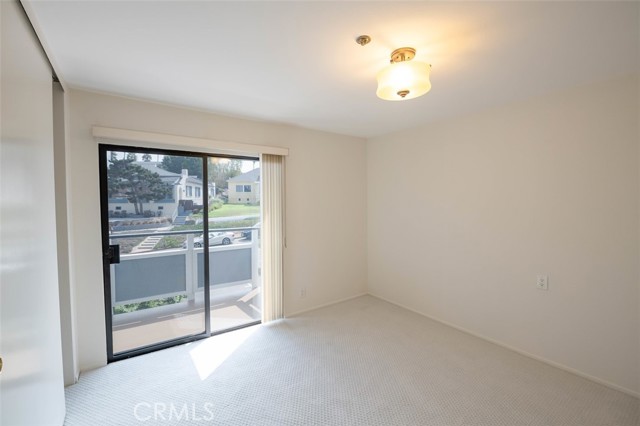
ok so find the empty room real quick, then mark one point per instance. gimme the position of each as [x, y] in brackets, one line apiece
[370, 213]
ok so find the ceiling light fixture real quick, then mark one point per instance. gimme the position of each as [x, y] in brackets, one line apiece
[403, 78]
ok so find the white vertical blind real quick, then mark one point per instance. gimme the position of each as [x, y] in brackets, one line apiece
[273, 209]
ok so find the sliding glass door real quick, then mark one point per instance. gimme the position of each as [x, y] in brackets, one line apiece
[236, 297]
[181, 238]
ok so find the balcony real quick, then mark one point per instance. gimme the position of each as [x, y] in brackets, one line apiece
[158, 295]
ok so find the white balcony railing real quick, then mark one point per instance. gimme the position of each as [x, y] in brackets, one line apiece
[160, 274]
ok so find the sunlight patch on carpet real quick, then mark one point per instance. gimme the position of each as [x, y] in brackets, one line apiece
[209, 354]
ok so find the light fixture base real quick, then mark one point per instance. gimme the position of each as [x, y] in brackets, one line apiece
[363, 40]
[403, 54]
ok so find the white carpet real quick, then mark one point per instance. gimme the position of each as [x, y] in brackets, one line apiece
[361, 362]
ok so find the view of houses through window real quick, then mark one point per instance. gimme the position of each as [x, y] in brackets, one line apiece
[155, 204]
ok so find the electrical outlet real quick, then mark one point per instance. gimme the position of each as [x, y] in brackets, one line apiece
[542, 282]
[303, 292]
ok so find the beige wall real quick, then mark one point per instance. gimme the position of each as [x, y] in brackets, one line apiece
[463, 214]
[67, 293]
[326, 235]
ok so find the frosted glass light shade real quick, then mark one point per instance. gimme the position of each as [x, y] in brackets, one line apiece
[399, 77]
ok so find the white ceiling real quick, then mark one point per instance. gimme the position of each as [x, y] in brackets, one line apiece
[297, 62]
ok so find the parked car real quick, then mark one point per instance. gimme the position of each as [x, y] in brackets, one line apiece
[215, 239]
[248, 234]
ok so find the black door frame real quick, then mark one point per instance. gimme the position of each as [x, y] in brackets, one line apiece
[106, 254]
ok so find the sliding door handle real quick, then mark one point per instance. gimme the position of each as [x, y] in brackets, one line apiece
[113, 254]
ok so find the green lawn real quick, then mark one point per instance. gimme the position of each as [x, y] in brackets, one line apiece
[234, 210]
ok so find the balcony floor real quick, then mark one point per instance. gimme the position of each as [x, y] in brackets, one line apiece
[231, 307]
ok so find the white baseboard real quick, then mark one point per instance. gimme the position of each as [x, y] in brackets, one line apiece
[324, 305]
[521, 352]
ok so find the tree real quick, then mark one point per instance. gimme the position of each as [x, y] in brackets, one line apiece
[135, 183]
[175, 164]
[131, 156]
[219, 169]
[222, 169]
[146, 157]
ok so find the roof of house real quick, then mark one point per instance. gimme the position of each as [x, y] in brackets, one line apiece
[152, 166]
[252, 176]
[165, 175]
[193, 179]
